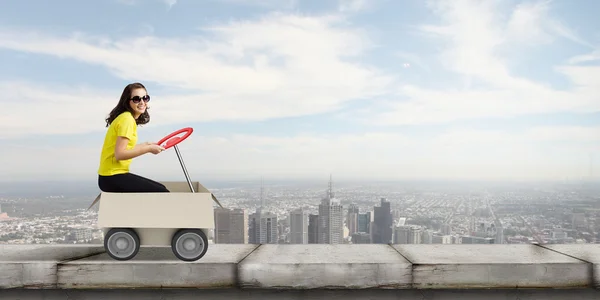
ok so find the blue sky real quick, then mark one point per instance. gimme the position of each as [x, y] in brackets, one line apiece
[362, 89]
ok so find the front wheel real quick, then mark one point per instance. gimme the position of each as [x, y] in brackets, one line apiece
[189, 244]
[121, 243]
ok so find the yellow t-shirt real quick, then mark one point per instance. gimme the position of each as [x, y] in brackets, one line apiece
[123, 125]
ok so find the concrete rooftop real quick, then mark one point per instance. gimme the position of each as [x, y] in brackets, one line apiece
[405, 268]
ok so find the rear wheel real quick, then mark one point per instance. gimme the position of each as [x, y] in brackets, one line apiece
[121, 243]
[189, 244]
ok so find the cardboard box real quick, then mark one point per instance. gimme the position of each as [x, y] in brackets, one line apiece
[156, 217]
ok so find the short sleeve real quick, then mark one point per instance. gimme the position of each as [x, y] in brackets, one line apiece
[126, 127]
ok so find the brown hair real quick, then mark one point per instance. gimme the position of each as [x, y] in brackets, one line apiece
[123, 105]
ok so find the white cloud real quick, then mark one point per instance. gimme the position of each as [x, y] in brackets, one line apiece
[170, 3]
[429, 106]
[291, 65]
[352, 5]
[526, 23]
[40, 109]
[593, 56]
[263, 3]
[274, 67]
[538, 153]
[531, 22]
[474, 34]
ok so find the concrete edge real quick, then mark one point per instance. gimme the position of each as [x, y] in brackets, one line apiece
[227, 273]
[238, 281]
[591, 274]
[586, 282]
[62, 263]
[403, 281]
[236, 268]
[412, 266]
[43, 274]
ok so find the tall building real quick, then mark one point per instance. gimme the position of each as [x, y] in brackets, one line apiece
[383, 224]
[331, 221]
[262, 228]
[427, 237]
[313, 229]
[364, 222]
[402, 234]
[408, 234]
[416, 235]
[352, 219]
[299, 226]
[499, 233]
[231, 226]
[283, 227]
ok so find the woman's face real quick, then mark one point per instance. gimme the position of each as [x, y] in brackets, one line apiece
[139, 107]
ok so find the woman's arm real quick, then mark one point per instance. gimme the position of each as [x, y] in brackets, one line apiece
[122, 153]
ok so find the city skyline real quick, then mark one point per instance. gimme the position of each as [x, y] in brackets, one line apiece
[377, 90]
[300, 215]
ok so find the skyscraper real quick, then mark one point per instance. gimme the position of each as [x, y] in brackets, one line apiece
[299, 226]
[331, 221]
[313, 229]
[352, 219]
[383, 231]
[402, 234]
[364, 222]
[262, 228]
[230, 226]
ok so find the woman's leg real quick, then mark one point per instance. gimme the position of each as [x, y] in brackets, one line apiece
[159, 187]
[129, 183]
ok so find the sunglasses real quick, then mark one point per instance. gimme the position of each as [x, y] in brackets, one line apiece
[137, 99]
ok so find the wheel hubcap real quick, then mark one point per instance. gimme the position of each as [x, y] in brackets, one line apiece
[189, 245]
[121, 244]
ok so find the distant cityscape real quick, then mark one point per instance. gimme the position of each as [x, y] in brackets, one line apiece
[378, 213]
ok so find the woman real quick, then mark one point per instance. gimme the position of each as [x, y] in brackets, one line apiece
[120, 145]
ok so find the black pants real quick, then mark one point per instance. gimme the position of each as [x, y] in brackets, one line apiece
[129, 183]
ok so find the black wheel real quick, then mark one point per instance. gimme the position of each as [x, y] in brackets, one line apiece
[122, 243]
[189, 244]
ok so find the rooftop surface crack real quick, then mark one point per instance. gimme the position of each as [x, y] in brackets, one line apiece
[401, 254]
[239, 262]
[60, 262]
[591, 275]
[571, 256]
[237, 266]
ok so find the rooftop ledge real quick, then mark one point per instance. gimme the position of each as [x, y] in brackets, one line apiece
[313, 266]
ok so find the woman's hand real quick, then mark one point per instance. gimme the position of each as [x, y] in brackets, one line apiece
[122, 153]
[154, 148]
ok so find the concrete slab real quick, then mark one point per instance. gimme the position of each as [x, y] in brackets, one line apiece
[34, 266]
[587, 252]
[156, 267]
[493, 266]
[325, 266]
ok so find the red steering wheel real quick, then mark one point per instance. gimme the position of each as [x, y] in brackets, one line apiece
[173, 139]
